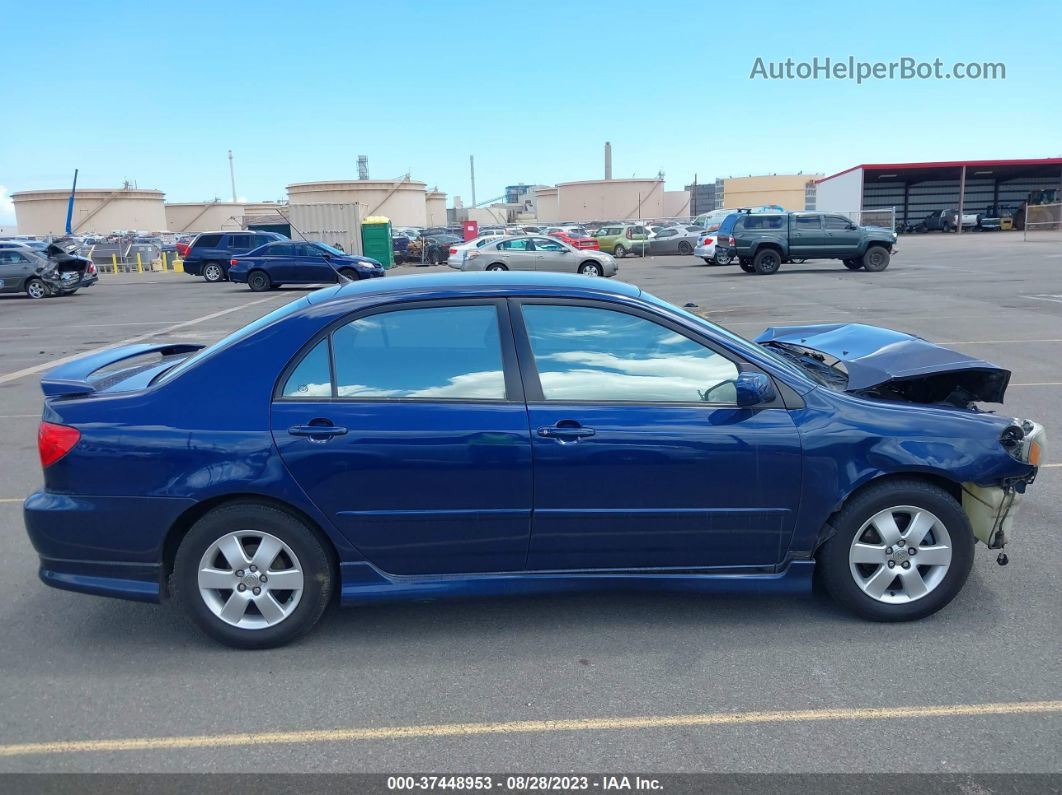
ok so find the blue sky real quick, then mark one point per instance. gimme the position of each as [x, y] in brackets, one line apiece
[157, 93]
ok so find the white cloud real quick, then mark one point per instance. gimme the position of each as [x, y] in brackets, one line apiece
[7, 208]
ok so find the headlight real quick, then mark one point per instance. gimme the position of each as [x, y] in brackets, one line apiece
[1026, 441]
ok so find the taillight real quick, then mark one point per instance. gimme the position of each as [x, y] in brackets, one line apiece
[453, 251]
[55, 441]
[233, 261]
[91, 267]
[731, 241]
[708, 241]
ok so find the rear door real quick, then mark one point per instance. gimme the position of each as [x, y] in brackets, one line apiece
[641, 457]
[806, 237]
[406, 425]
[518, 254]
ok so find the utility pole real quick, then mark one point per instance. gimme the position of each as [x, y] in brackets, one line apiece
[232, 177]
[472, 170]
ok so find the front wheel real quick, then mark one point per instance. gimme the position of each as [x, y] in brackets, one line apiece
[853, 264]
[259, 281]
[252, 576]
[212, 272]
[36, 289]
[901, 551]
[876, 259]
[722, 259]
[591, 269]
[349, 273]
[746, 266]
[766, 262]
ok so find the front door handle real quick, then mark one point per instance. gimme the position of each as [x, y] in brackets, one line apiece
[564, 434]
[317, 432]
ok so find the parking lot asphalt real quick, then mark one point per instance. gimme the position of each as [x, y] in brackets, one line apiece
[654, 675]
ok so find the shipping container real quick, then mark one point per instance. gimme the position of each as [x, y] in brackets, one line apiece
[335, 224]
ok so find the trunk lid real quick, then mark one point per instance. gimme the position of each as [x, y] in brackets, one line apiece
[880, 362]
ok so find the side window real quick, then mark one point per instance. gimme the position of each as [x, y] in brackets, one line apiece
[836, 222]
[807, 223]
[545, 244]
[313, 375]
[240, 242]
[586, 353]
[437, 352]
[206, 241]
[521, 244]
[775, 222]
[277, 250]
[666, 233]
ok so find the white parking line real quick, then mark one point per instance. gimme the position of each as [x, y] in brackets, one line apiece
[38, 368]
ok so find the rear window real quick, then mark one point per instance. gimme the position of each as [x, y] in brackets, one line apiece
[206, 241]
[729, 223]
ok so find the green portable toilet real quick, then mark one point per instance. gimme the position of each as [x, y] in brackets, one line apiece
[376, 240]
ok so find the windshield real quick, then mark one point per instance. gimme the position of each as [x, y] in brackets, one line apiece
[333, 251]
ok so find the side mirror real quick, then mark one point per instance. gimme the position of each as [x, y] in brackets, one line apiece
[327, 255]
[754, 388]
[852, 227]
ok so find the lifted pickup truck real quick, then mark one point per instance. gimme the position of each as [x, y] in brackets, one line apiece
[762, 242]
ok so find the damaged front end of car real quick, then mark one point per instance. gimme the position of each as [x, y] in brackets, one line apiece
[883, 364]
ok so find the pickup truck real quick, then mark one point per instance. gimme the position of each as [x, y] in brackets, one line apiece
[763, 241]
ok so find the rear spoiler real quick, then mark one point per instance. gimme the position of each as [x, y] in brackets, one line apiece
[72, 378]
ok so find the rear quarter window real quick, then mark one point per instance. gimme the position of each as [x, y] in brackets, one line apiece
[206, 241]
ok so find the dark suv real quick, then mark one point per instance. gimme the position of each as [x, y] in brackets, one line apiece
[210, 252]
[763, 241]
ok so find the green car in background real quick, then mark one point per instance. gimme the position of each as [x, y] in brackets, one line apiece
[623, 239]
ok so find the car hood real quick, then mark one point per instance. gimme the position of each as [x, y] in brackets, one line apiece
[887, 363]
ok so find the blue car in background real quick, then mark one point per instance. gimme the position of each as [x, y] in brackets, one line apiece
[294, 262]
[505, 433]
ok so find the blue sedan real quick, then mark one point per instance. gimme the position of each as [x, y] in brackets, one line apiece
[294, 262]
[488, 434]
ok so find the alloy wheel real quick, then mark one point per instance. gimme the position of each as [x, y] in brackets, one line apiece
[213, 273]
[591, 270]
[900, 554]
[250, 580]
[36, 289]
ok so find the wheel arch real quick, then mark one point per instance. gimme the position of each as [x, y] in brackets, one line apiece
[180, 527]
[932, 477]
[769, 244]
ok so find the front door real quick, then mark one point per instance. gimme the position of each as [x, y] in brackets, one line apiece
[841, 236]
[554, 256]
[412, 437]
[15, 268]
[314, 267]
[642, 459]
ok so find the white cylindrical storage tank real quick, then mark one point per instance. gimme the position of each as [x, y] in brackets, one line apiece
[97, 211]
[435, 210]
[610, 200]
[204, 216]
[546, 205]
[401, 200]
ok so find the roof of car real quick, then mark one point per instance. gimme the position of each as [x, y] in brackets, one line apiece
[457, 284]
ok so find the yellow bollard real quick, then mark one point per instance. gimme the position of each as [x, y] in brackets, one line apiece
[139, 263]
[165, 264]
[114, 262]
[178, 265]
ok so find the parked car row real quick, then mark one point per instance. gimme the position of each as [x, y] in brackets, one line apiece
[531, 253]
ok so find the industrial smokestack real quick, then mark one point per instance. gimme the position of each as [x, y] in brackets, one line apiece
[608, 160]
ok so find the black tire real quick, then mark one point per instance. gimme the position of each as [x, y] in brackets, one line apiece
[313, 558]
[36, 289]
[723, 259]
[619, 252]
[746, 266]
[833, 557]
[259, 281]
[745, 260]
[685, 248]
[349, 273]
[591, 269]
[496, 266]
[853, 264]
[876, 259]
[213, 272]
[767, 261]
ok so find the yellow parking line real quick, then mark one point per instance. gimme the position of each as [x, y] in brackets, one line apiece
[524, 727]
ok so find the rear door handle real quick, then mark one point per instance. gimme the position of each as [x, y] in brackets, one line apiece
[552, 432]
[317, 433]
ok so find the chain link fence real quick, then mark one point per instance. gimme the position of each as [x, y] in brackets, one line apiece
[1043, 222]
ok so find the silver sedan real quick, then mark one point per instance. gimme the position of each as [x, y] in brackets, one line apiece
[675, 240]
[536, 253]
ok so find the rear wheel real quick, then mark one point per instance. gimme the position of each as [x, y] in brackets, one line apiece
[591, 269]
[685, 248]
[620, 251]
[35, 289]
[496, 266]
[901, 551]
[853, 264]
[252, 576]
[213, 272]
[722, 259]
[766, 262]
[875, 259]
[258, 281]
